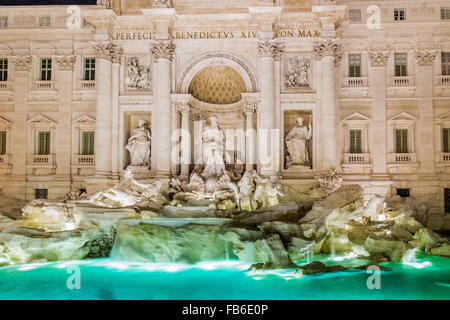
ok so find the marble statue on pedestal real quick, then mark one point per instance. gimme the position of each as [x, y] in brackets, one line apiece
[139, 146]
[212, 155]
[297, 144]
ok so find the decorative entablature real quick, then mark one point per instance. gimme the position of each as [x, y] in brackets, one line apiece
[41, 121]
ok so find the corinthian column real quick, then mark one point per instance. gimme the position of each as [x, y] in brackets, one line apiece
[268, 51]
[425, 60]
[64, 126]
[378, 60]
[106, 54]
[329, 51]
[163, 55]
[250, 145]
[183, 109]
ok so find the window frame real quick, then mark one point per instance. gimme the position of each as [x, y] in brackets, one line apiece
[358, 11]
[4, 68]
[445, 63]
[47, 149]
[90, 151]
[397, 14]
[445, 13]
[45, 18]
[404, 145]
[354, 71]
[401, 68]
[43, 190]
[357, 148]
[45, 70]
[89, 70]
[5, 19]
[3, 142]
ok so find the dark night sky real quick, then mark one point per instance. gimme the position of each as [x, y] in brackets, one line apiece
[44, 2]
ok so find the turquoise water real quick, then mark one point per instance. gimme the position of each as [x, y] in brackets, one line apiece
[427, 278]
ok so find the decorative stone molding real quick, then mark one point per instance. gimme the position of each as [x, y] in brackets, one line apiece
[161, 3]
[104, 3]
[163, 50]
[108, 51]
[270, 49]
[250, 108]
[22, 63]
[183, 108]
[65, 63]
[378, 58]
[425, 57]
[328, 48]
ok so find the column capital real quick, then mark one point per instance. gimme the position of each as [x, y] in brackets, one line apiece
[328, 48]
[65, 63]
[183, 108]
[163, 50]
[22, 62]
[250, 108]
[378, 58]
[425, 57]
[270, 49]
[108, 51]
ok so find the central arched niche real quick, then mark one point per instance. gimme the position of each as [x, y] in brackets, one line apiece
[217, 84]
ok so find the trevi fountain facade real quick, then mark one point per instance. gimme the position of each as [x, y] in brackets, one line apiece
[188, 131]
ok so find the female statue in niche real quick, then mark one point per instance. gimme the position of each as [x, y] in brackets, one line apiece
[139, 145]
[297, 144]
[212, 153]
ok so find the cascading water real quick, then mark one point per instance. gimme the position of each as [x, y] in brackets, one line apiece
[410, 256]
[333, 252]
[171, 240]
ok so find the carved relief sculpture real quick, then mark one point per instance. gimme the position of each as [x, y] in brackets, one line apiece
[139, 146]
[138, 76]
[161, 3]
[22, 63]
[297, 72]
[297, 144]
[105, 3]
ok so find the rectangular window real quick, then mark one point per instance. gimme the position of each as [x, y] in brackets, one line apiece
[399, 14]
[89, 69]
[404, 193]
[44, 21]
[354, 15]
[88, 142]
[354, 62]
[401, 137]
[2, 142]
[447, 200]
[44, 143]
[3, 22]
[445, 13]
[355, 141]
[3, 70]
[446, 140]
[46, 69]
[400, 64]
[445, 60]
[41, 193]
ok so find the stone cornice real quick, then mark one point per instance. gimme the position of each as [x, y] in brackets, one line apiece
[378, 58]
[425, 57]
[22, 63]
[328, 48]
[65, 63]
[108, 51]
[163, 50]
[270, 49]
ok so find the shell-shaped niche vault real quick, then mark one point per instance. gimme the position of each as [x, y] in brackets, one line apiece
[217, 84]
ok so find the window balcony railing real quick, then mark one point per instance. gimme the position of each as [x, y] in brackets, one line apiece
[443, 81]
[42, 160]
[87, 84]
[444, 157]
[83, 160]
[4, 85]
[402, 158]
[350, 158]
[44, 85]
[402, 81]
[355, 82]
